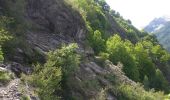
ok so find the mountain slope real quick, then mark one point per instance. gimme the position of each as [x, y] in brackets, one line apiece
[160, 28]
[80, 50]
[156, 24]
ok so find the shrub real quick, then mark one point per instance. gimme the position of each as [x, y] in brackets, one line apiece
[25, 97]
[97, 42]
[159, 82]
[104, 56]
[51, 77]
[119, 53]
[5, 77]
[128, 92]
[1, 56]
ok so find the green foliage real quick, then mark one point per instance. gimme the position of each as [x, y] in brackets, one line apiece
[51, 77]
[1, 56]
[139, 61]
[4, 34]
[68, 60]
[97, 42]
[65, 57]
[25, 97]
[128, 92]
[160, 82]
[47, 80]
[144, 63]
[146, 82]
[119, 53]
[5, 77]
[3, 38]
[104, 56]
[93, 13]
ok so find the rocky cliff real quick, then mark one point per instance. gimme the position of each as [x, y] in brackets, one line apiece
[47, 25]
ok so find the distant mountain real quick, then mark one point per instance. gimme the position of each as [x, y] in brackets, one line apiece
[161, 28]
[157, 24]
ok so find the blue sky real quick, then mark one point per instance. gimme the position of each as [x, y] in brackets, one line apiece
[141, 12]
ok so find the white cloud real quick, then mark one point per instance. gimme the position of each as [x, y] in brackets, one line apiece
[140, 12]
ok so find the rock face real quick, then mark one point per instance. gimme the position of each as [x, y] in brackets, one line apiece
[55, 24]
[54, 17]
[92, 78]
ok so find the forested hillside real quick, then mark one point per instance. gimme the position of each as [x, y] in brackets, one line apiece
[77, 50]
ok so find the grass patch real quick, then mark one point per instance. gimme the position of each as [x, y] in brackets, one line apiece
[5, 77]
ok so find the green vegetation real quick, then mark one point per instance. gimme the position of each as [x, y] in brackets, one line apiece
[1, 56]
[120, 52]
[140, 53]
[111, 37]
[4, 34]
[5, 77]
[128, 92]
[140, 65]
[97, 42]
[25, 97]
[51, 78]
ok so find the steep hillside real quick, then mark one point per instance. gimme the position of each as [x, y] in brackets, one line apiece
[77, 50]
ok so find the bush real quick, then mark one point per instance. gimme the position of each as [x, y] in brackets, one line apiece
[4, 35]
[119, 52]
[159, 82]
[128, 92]
[5, 77]
[66, 58]
[25, 97]
[51, 77]
[1, 56]
[104, 56]
[97, 42]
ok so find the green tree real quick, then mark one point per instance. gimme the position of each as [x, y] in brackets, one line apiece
[160, 83]
[53, 75]
[146, 82]
[119, 53]
[97, 42]
[47, 79]
[4, 34]
[144, 62]
[66, 57]
[1, 56]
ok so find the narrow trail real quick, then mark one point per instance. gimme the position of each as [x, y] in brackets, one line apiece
[10, 92]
